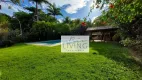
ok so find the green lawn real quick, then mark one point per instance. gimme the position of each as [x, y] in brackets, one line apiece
[106, 61]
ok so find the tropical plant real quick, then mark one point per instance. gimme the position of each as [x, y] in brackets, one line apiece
[39, 2]
[127, 15]
[42, 30]
[25, 20]
[67, 20]
[16, 1]
[53, 10]
[4, 24]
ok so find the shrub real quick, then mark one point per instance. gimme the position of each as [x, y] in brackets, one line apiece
[62, 28]
[3, 34]
[6, 43]
[4, 31]
[127, 42]
[43, 30]
[116, 37]
[130, 42]
[14, 35]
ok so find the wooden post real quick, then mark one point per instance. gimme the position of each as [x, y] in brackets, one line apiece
[90, 35]
[102, 35]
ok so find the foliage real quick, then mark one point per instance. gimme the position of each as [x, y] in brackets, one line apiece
[89, 23]
[130, 42]
[14, 36]
[23, 19]
[16, 1]
[32, 9]
[43, 30]
[47, 18]
[6, 43]
[127, 15]
[127, 11]
[3, 34]
[39, 2]
[99, 21]
[67, 20]
[4, 27]
[123, 11]
[116, 37]
[62, 28]
[127, 42]
[53, 10]
[3, 18]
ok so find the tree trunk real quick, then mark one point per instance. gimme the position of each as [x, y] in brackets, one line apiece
[36, 11]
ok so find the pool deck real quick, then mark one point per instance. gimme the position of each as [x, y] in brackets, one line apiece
[44, 44]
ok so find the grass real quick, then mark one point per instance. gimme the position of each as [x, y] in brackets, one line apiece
[106, 61]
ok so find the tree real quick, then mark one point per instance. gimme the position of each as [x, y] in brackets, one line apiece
[39, 2]
[76, 21]
[32, 9]
[4, 24]
[16, 1]
[53, 10]
[67, 20]
[25, 21]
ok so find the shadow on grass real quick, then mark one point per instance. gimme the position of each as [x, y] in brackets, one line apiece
[14, 45]
[20, 44]
[116, 52]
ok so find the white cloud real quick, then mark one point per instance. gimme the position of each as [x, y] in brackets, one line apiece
[74, 5]
[73, 18]
[60, 20]
[14, 8]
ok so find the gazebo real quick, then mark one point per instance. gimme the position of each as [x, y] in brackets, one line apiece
[103, 33]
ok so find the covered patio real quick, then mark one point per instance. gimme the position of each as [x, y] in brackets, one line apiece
[101, 33]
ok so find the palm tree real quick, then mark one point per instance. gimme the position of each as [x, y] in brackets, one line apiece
[76, 21]
[67, 20]
[16, 1]
[53, 10]
[39, 2]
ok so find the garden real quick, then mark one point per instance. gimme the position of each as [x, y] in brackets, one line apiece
[118, 59]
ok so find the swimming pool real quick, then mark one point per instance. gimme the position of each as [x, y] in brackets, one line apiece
[47, 43]
[51, 42]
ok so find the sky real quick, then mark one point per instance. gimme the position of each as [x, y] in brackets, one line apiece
[71, 8]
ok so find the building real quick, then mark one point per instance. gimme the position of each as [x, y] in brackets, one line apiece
[103, 33]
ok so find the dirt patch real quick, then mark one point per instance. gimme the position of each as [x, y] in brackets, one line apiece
[137, 56]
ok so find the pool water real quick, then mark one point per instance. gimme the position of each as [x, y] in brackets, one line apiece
[51, 42]
[46, 43]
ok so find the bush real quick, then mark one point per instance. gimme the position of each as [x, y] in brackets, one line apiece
[62, 28]
[31, 36]
[116, 37]
[43, 30]
[127, 42]
[130, 42]
[3, 34]
[6, 43]
[135, 45]
[14, 35]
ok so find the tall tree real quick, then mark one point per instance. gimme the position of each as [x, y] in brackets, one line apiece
[38, 2]
[67, 20]
[16, 1]
[53, 10]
